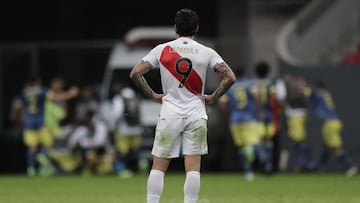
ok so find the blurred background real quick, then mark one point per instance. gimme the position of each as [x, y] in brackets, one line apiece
[83, 41]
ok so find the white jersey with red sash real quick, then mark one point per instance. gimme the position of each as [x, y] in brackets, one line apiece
[183, 65]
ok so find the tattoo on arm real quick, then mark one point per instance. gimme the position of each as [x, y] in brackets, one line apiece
[141, 83]
[137, 77]
[227, 81]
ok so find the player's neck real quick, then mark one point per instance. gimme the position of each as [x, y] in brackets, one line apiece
[189, 37]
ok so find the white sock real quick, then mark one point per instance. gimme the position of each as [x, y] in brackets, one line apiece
[191, 186]
[155, 185]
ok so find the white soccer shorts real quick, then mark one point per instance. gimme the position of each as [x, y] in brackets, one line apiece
[174, 136]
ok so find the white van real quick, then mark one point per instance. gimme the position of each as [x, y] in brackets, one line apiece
[124, 55]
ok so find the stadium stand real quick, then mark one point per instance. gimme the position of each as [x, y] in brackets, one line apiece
[320, 33]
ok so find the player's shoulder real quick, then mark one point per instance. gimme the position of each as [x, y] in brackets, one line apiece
[162, 45]
[204, 46]
[168, 43]
[189, 41]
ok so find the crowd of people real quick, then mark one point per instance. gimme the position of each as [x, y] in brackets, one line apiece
[89, 144]
[305, 97]
[77, 141]
[255, 106]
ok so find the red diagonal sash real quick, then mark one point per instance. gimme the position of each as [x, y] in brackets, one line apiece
[168, 59]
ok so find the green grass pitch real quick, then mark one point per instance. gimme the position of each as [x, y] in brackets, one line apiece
[215, 188]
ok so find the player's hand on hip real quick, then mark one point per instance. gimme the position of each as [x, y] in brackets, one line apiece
[157, 97]
[209, 99]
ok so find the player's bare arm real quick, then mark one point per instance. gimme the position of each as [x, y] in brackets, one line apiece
[228, 79]
[137, 76]
[66, 95]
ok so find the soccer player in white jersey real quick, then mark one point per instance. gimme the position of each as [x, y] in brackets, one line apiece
[182, 121]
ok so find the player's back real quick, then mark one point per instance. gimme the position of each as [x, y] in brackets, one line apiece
[323, 104]
[33, 99]
[242, 102]
[188, 57]
[183, 65]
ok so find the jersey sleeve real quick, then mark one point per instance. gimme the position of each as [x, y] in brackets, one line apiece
[215, 58]
[152, 56]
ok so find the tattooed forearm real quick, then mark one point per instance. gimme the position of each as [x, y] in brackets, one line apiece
[222, 69]
[228, 79]
[141, 83]
[137, 77]
[223, 87]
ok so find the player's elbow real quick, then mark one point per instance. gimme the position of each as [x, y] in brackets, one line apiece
[231, 79]
[134, 74]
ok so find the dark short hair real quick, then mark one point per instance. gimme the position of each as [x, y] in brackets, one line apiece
[262, 69]
[186, 21]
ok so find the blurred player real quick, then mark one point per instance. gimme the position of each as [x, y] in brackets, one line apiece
[243, 103]
[36, 137]
[90, 140]
[324, 107]
[87, 101]
[56, 111]
[182, 121]
[128, 132]
[296, 111]
[272, 107]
